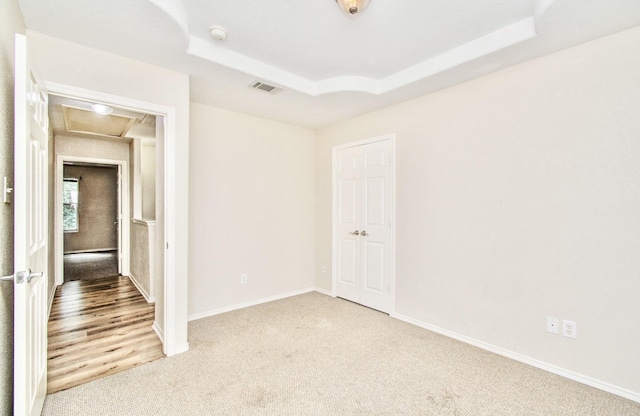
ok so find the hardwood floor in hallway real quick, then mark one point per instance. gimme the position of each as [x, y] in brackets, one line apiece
[98, 328]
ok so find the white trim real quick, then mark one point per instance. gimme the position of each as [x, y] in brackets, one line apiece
[123, 199]
[148, 223]
[492, 42]
[156, 328]
[170, 134]
[392, 277]
[179, 349]
[143, 292]
[231, 308]
[51, 295]
[589, 381]
[170, 272]
[324, 292]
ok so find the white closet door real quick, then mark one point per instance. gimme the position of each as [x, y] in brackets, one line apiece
[348, 219]
[363, 224]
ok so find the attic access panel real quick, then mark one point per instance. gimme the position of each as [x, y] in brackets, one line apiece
[78, 120]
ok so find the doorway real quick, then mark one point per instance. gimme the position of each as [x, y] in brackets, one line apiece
[90, 195]
[170, 307]
[101, 314]
[103, 221]
[364, 222]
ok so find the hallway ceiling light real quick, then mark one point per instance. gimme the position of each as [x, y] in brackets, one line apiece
[352, 6]
[85, 121]
[101, 109]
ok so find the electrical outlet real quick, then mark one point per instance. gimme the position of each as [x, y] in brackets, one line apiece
[243, 278]
[553, 325]
[569, 329]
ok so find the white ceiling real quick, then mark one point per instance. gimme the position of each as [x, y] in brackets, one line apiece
[331, 65]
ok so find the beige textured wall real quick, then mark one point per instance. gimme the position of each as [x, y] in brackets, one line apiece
[97, 208]
[140, 246]
[10, 23]
[518, 198]
[92, 148]
[148, 151]
[251, 208]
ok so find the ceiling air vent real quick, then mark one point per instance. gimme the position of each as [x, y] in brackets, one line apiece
[261, 86]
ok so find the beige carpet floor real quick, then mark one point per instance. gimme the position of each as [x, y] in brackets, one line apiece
[314, 355]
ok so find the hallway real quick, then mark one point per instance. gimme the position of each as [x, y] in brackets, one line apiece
[97, 328]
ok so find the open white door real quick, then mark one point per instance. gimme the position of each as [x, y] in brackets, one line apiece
[30, 238]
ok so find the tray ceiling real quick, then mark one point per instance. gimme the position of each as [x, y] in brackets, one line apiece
[330, 65]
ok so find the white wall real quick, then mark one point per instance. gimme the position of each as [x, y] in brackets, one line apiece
[70, 64]
[518, 198]
[251, 209]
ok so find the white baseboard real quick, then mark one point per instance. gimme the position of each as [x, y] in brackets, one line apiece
[52, 296]
[147, 297]
[177, 350]
[589, 381]
[159, 332]
[226, 309]
[324, 292]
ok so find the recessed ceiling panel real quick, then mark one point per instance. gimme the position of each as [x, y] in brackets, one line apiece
[78, 120]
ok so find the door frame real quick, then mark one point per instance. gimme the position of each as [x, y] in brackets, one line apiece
[123, 210]
[334, 209]
[168, 328]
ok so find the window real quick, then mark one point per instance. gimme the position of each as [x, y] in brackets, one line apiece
[70, 205]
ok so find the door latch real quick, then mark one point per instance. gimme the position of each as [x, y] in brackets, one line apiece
[21, 277]
[7, 193]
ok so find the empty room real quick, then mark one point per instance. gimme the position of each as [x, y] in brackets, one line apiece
[363, 207]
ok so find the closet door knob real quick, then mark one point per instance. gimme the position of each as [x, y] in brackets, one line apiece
[364, 233]
[356, 232]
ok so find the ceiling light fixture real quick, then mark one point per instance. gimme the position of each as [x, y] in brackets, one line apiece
[101, 109]
[352, 6]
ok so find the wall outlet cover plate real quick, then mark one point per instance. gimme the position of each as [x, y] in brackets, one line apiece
[569, 329]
